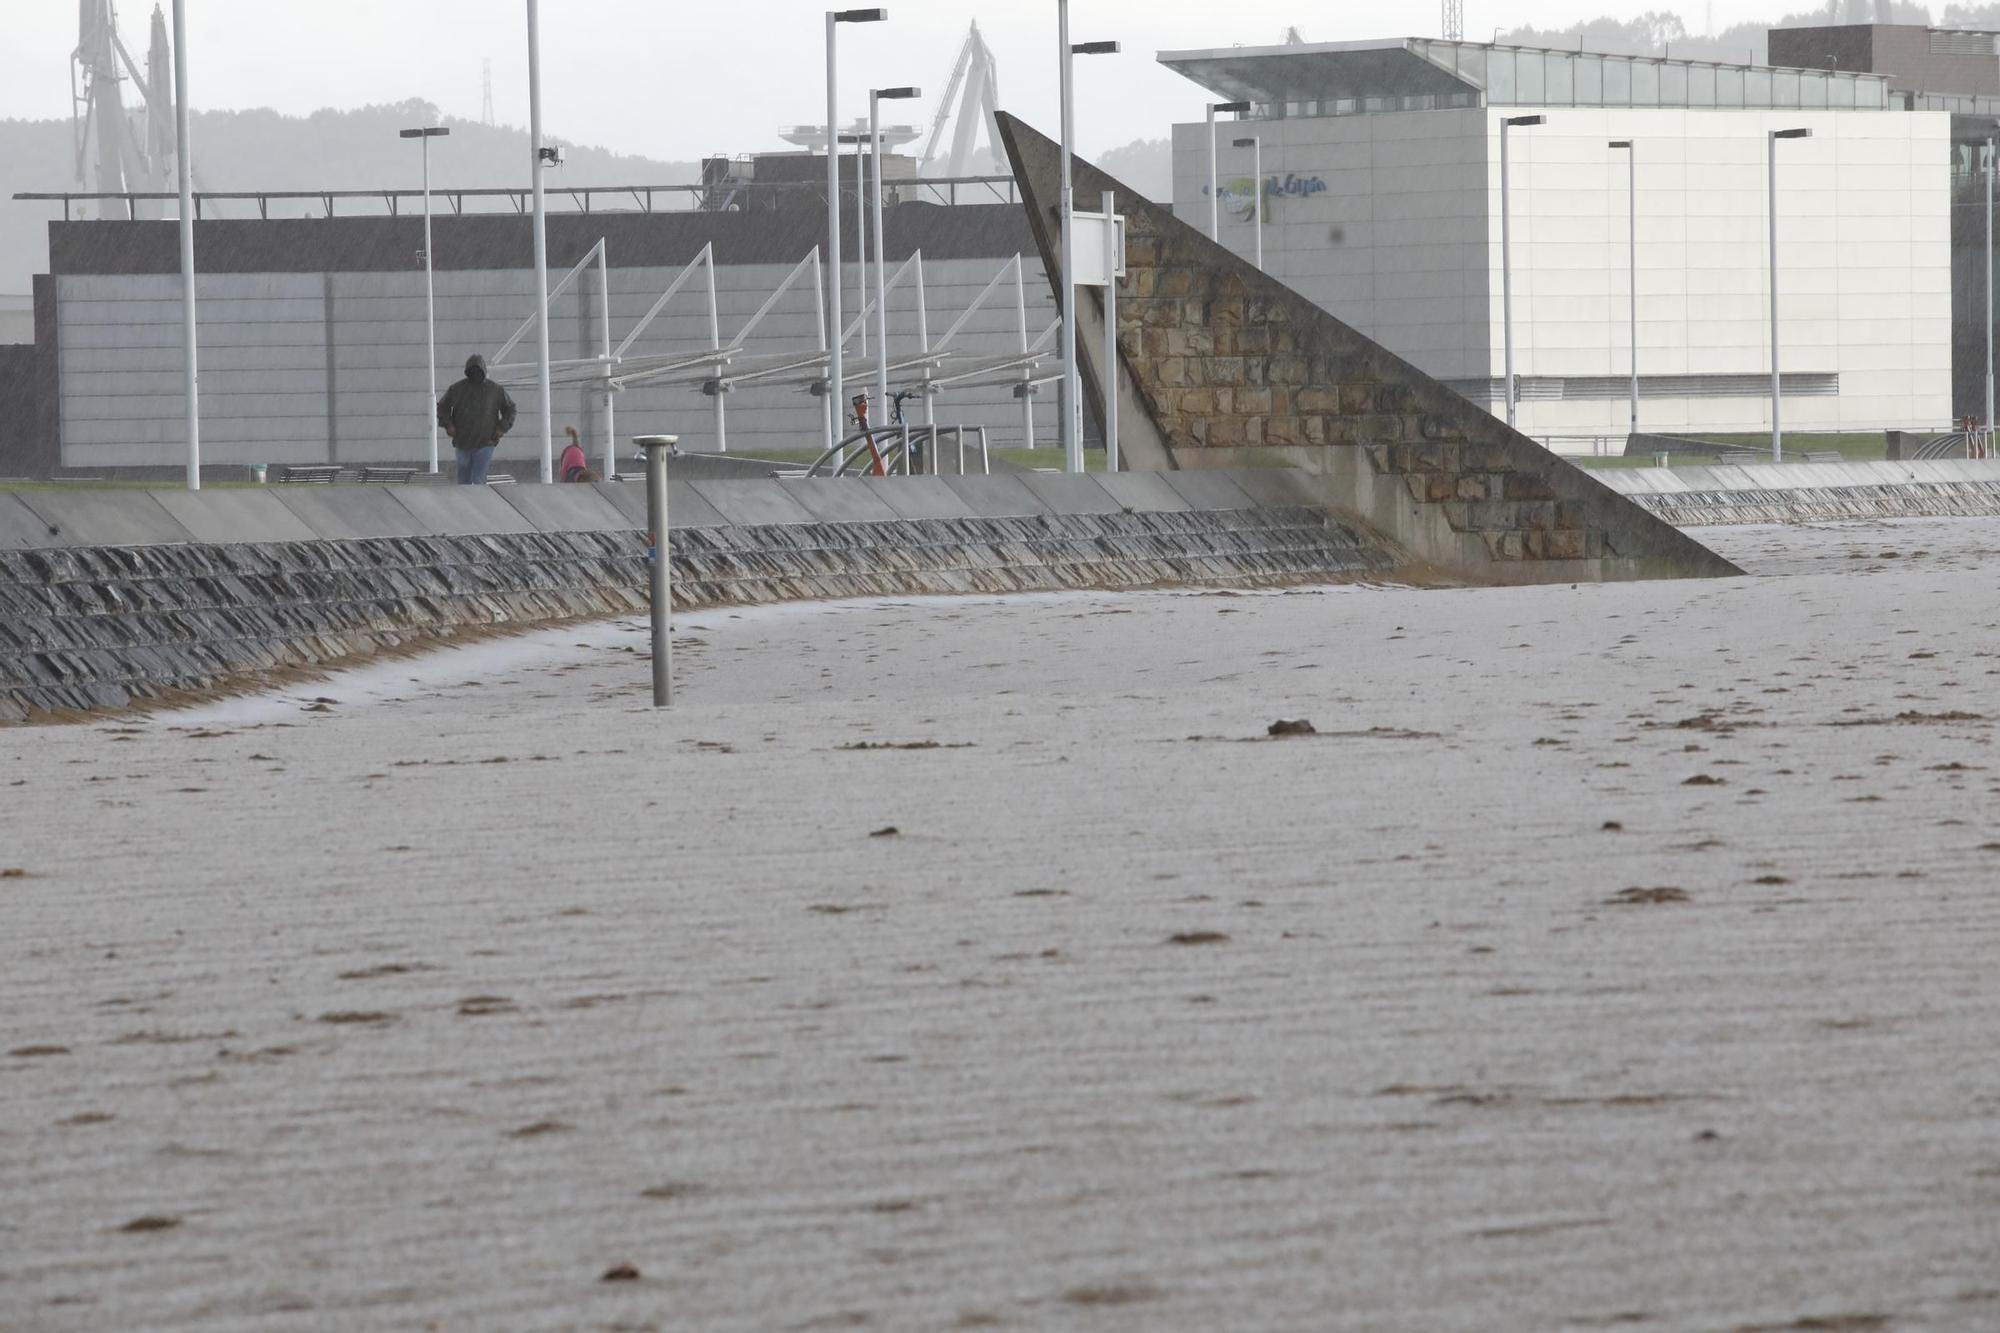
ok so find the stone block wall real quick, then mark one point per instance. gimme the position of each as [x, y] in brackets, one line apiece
[93, 627]
[1230, 365]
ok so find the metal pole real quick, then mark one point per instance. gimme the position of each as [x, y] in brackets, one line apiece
[836, 389]
[1110, 375]
[1632, 263]
[1771, 186]
[881, 287]
[430, 307]
[924, 344]
[1027, 375]
[660, 555]
[715, 344]
[604, 331]
[861, 241]
[1072, 438]
[1506, 274]
[1989, 291]
[541, 241]
[184, 168]
[1214, 204]
[1257, 170]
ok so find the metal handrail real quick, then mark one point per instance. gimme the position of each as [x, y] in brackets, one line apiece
[941, 189]
[903, 441]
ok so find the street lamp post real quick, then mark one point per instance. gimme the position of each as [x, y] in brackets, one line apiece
[877, 96]
[1255, 143]
[1214, 186]
[184, 169]
[836, 387]
[1507, 254]
[424, 136]
[544, 158]
[861, 236]
[1771, 180]
[1072, 416]
[1632, 260]
[1988, 423]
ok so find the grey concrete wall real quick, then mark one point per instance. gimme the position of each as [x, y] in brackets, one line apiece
[1811, 492]
[112, 598]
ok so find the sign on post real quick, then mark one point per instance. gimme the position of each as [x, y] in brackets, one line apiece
[1098, 252]
[1093, 250]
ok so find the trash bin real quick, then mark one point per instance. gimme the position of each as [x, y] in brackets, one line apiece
[1660, 458]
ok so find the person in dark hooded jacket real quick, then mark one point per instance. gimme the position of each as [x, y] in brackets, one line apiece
[475, 413]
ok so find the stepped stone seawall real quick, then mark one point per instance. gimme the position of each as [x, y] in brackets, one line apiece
[1220, 365]
[108, 599]
[1812, 492]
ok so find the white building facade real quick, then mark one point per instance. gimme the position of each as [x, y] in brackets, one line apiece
[1385, 208]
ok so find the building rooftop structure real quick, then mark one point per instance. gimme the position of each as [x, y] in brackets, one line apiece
[1929, 69]
[1423, 74]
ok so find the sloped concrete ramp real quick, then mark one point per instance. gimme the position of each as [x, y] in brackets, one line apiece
[1223, 366]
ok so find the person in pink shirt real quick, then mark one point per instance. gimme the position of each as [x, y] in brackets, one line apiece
[573, 466]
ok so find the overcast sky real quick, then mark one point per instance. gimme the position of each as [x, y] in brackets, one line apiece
[675, 79]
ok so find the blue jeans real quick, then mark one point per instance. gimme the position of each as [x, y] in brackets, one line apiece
[472, 464]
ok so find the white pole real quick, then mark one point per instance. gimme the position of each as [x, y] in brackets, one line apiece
[881, 289]
[1214, 203]
[184, 168]
[1988, 423]
[1257, 171]
[835, 389]
[1109, 378]
[1771, 185]
[1632, 264]
[430, 307]
[1027, 375]
[861, 242]
[924, 343]
[1506, 274]
[1072, 437]
[715, 343]
[541, 240]
[604, 331]
[826, 417]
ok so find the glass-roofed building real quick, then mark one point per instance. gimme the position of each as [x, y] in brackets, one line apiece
[1381, 191]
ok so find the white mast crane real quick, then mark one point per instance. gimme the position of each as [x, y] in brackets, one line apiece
[129, 158]
[973, 94]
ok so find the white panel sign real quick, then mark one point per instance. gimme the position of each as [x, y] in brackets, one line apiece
[1098, 241]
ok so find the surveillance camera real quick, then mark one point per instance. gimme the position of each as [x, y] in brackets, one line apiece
[552, 156]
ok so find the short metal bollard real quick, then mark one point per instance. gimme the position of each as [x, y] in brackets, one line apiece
[657, 447]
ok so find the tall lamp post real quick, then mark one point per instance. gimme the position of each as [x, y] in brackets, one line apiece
[1255, 143]
[424, 136]
[836, 387]
[1507, 253]
[544, 158]
[1632, 260]
[1777, 396]
[877, 96]
[184, 169]
[1072, 417]
[1988, 423]
[1214, 191]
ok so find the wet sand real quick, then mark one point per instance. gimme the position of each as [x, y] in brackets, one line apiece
[1610, 956]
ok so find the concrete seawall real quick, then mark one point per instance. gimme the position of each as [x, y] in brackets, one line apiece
[113, 598]
[1810, 492]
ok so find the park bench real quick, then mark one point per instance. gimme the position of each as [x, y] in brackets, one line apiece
[1824, 456]
[311, 474]
[397, 476]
